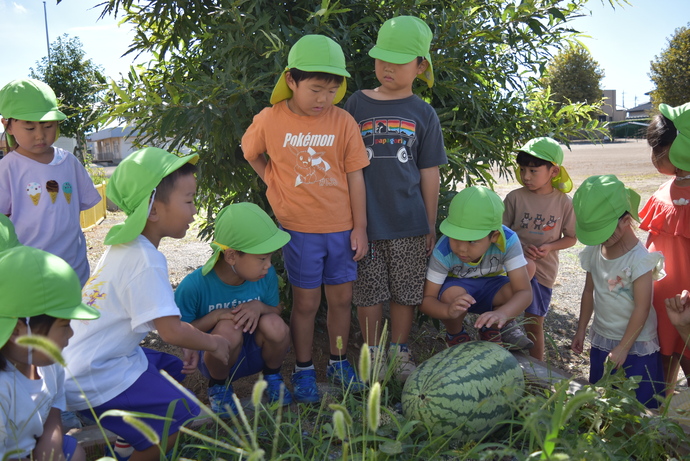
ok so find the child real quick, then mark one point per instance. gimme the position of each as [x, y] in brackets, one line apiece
[130, 288]
[477, 266]
[312, 166]
[618, 286]
[39, 294]
[666, 216]
[235, 295]
[542, 215]
[43, 188]
[405, 145]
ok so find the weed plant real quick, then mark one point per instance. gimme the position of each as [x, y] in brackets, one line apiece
[603, 422]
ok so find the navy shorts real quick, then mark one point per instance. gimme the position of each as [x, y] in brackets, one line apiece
[312, 260]
[647, 366]
[69, 446]
[541, 299]
[482, 289]
[249, 362]
[152, 394]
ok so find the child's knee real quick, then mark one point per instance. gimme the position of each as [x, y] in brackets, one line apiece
[226, 329]
[451, 293]
[273, 327]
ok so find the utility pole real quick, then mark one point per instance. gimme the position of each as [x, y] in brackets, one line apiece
[45, 16]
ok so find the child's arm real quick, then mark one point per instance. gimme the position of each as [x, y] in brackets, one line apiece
[178, 333]
[542, 250]
[678, 309]
[514, 306]
[437, 309]
[209, 321]
[586, 310]
[49, 444]
[259, 164]
[430, 184]
[358, 203]
[642, 297]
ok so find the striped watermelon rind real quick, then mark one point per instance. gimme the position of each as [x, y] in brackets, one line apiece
[466, 389]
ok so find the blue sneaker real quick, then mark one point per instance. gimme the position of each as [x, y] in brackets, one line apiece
[304, 386]
[342, 374]
[275, 382]
[220, 396]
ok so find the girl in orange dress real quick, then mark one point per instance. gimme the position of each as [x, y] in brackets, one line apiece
[666, 216]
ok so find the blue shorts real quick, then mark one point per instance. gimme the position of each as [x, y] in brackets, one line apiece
[482, 289]
[152, 394]
[69, 446]
[249, 362]
[312, 260]
[541, 299]
[647, 366]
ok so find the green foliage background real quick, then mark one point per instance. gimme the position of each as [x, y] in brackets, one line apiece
[216, 62]
[670, 71]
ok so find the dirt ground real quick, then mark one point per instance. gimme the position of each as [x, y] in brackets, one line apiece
[629, 160]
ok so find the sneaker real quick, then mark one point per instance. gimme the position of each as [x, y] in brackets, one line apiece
[219, 397]
[275, 382]
[491, 334]
[402, 362]
[342, 374]
[462, 337]
[304, 386]
[514, 339]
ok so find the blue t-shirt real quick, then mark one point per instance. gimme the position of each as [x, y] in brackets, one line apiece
[496, 261]
[198, 295]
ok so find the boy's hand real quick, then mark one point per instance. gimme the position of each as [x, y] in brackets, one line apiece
[535, 252]
[190, 361]
[460, 305]
[491, 318]
[222, 349]
[578, 343]
[359, 243]
[247, 315]
[678, 309]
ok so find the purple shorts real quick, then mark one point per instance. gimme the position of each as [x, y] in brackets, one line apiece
[69, 446]
[482, 289]
[312, 260]
[541, 299]
[152, 394]
[249, 362]
[647, 366]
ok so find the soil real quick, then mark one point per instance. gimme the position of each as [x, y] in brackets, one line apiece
[629, 160]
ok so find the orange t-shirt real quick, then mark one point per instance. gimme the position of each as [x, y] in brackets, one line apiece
[309, 158]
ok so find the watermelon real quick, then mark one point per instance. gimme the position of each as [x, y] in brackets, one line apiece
[467, 388]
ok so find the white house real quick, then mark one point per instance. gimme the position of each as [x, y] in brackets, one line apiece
[112, 144]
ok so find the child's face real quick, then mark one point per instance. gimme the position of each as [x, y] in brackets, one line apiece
[311, 96]
[398, 77]
[624, 224]
[33, 139]
[662, 163]
[175, 216]
[537, 179]
[60, 332]
[473, 250]
[252, 267]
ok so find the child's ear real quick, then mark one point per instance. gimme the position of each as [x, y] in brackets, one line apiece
[494, 236]
[230, 256]
[153, 215]
[422, 67]
[555, 169]
[290, 81]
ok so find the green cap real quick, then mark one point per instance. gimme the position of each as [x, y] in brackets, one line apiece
[30, 100]
[247, 228]
[679, 154]
[132, 184]
[34, 282]
[402, 40]
[313, 53]
[8, 237]
[599, 203]
[548, 149]
[473, 213]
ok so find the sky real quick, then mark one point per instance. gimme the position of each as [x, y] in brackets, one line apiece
[623, 40]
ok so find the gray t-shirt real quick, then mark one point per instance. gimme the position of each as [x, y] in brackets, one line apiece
[402, 136]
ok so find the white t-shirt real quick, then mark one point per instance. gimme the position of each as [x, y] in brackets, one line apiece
[24, 407]
[44, 202]
[130, 288]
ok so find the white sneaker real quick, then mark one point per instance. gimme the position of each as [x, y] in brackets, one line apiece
[402, 362]
[514, 338]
